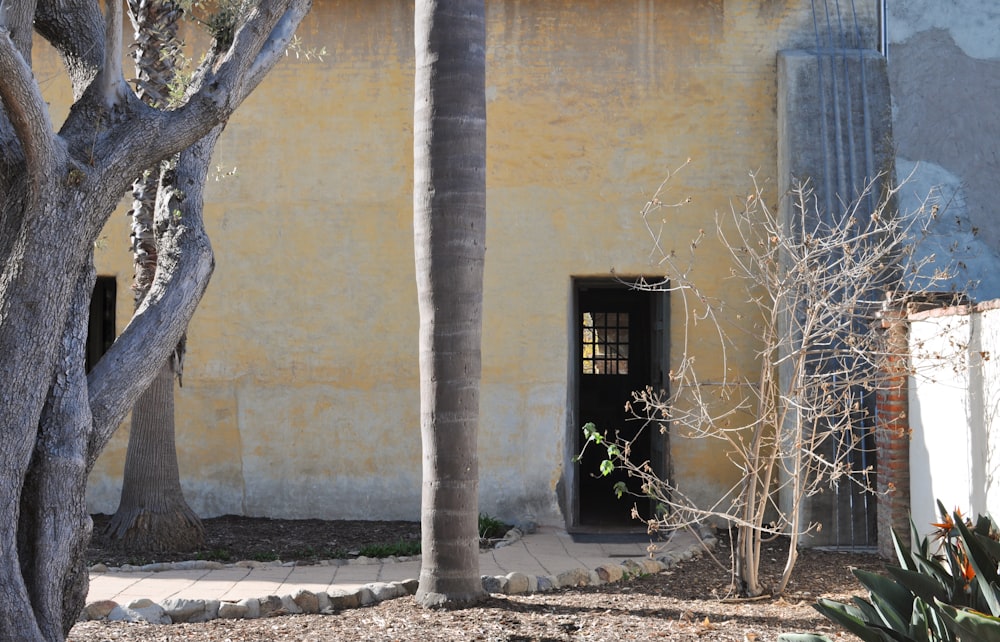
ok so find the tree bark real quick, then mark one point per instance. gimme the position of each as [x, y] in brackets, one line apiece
[449, 222]
[57, 190]
[152, 513]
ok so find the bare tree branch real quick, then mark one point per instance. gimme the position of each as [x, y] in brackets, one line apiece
[18, 18]
[819, 286]
[276, 44]
[26, 109]
[150, 135]
[184, 267]
[112, 80]
[76, 29]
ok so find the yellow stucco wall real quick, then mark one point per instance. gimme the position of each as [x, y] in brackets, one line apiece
[300, 391]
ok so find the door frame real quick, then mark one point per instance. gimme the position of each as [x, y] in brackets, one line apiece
[659, 368]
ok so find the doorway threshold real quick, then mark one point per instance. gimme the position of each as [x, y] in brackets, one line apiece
[606, 536]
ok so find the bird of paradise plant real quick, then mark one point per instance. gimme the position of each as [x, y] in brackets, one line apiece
[950, 594]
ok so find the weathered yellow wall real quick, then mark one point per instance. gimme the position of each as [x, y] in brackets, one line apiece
[300, 390]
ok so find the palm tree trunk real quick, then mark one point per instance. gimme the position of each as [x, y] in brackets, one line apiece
[152, 514]
[449, 223]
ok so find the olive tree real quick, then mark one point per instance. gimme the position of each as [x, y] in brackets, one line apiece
[152, 514]
[58, 187]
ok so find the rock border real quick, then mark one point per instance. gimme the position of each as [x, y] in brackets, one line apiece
[176, 610]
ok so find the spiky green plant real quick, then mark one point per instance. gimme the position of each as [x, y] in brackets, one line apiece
[948, 594]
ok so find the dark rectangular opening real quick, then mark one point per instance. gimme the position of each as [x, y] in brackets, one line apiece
[101, 328]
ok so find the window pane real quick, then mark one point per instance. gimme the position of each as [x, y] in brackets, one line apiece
[604, 340]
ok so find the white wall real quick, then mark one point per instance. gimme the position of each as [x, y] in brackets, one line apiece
[954, 403]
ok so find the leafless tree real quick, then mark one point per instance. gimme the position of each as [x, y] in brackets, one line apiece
[818, 284]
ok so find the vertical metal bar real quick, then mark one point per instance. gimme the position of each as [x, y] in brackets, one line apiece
[883, 28]
[824, 128]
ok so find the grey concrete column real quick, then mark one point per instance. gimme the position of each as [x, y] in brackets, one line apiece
[834, 132]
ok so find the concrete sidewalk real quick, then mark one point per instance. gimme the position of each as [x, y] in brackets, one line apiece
[550, 558]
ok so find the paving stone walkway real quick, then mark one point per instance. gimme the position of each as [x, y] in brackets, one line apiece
[539, 561]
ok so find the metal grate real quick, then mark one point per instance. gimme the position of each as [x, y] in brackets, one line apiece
[605, 343]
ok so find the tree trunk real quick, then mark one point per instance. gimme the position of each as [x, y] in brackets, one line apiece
[152, 514]
[449, 222]
[57, 190]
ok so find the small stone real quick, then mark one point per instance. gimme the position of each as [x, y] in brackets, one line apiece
[184, 610]
[122, 614]
[651, 566]
[595, 579]
[270, 606]
[546, 583]
[491, 583]
[249, 564]
[631, 568]
[410, 585]
[365, 596]
[532, 584]
[144, 610]
[322, 601]
[517, 583]
[253, 607]
[573, 577]
[511, 536]
[232, 611]
[288, 605]
[383, 591]
[340, 600]
[98, 610]
[99, 568]
[306, 601]
[609, 572]
[155, 568]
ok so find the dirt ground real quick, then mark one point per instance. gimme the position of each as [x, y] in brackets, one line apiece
[689, 602]
[233, 538]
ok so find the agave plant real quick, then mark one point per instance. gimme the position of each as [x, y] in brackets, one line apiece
[949, 594]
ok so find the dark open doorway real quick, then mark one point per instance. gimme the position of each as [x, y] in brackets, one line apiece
[620, 347]
[101, 327]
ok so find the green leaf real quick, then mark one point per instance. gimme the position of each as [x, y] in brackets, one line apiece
[982, 564]
[893, 600]
[927, 616]
[802, 637]
[850, 618]
[606, 467]
[918, 622]
[947, 581]
[991, 546]
[903, 553]
[921, 585]
[620, 489]
[590, 432]
[971, 625]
